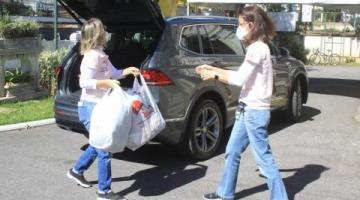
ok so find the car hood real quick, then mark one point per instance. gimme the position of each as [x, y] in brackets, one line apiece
[116, 12]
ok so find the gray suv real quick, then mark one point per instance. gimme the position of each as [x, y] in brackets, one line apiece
[167, 50]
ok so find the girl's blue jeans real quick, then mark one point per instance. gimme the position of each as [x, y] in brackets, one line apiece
[250, 128]
[90, 154]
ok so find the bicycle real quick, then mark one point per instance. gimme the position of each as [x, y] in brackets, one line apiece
[319, 57]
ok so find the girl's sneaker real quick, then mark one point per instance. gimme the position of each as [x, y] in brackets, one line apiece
[110, 195]
[212, 196]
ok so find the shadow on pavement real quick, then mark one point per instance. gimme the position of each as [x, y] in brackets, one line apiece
[294, 184]
[332, 86]
[170, 170]
[278, 123]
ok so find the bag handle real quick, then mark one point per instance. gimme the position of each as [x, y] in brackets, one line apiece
[147, 90]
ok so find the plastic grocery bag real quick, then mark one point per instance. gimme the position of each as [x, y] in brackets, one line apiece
[111, 121]
[147, 120]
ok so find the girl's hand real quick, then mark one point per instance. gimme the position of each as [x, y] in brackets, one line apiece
[199, 68]
[207, 74]
[131, 70]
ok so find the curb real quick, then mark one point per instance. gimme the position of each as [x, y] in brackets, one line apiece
[27, 125]
[357, 114]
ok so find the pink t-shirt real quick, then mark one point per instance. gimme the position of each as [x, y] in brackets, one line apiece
[255, 76]
[95, 66]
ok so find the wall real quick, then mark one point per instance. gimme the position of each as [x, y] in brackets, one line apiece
[49, 44]
[20, 53]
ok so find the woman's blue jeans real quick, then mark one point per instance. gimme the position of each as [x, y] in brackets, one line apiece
[250, 127]
[90, 154]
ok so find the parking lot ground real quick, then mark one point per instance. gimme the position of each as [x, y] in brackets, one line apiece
[318, 157]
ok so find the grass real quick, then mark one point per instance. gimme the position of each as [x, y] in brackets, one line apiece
[32, 110]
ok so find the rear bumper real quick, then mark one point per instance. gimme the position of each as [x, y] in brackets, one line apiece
[74, 126]
[173, 132]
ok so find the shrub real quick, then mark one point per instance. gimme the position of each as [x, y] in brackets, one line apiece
[349, 60]
[48, 61]
[18, 28]
[294, 43]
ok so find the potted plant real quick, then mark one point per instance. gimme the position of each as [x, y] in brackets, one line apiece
[17, 83]
[18, 34]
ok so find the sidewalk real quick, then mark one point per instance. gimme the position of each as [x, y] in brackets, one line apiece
[26, 125]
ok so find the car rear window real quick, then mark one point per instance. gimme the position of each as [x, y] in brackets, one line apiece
[189, 39]
[214, 39]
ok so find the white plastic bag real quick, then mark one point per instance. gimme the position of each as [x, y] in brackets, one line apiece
[147, 120]
[111, 121]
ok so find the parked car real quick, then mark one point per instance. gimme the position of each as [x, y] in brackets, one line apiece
[167, 51]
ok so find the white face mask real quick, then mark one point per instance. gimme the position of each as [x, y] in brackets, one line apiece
[241, 33]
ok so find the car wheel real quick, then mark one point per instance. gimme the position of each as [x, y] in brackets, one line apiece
[295, 105]
[204, 130]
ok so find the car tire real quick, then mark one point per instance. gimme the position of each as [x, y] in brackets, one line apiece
[295, 104]
[205, 130]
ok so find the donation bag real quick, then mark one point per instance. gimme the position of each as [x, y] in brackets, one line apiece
[111, 121]
[147, 120]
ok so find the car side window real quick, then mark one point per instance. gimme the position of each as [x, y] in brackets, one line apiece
[207, 46]
[189, 39]
[224, 39]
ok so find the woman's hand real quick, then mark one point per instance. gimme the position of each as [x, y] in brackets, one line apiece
[131, 70]
[114, 83]
[108, 83]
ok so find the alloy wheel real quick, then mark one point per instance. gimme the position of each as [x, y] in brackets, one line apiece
[207, 130]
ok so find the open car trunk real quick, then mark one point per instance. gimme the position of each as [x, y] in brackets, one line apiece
[135, 27]
[127, 46]
[116, 12]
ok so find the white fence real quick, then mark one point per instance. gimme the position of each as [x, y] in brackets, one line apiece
[343, 46]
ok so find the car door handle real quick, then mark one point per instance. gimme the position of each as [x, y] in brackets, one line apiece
[216, 64]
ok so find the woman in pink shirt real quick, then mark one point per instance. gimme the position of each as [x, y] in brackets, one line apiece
[255, 77]
[97, 74]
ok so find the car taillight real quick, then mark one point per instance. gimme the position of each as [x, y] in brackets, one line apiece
[155, 77]
[58, 72]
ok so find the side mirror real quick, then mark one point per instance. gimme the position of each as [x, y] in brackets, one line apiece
[284, 51]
